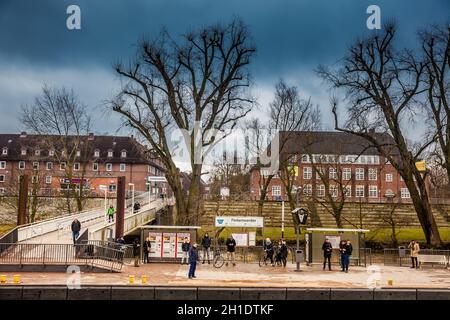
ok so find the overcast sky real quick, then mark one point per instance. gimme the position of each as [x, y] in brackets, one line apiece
[292, 38]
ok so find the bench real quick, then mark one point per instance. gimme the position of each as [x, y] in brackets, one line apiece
[433, 259]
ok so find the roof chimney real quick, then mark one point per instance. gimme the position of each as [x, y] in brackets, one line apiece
[91, 136]
[23, 134]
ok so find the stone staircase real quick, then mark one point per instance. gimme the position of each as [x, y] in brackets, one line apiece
[372, 214]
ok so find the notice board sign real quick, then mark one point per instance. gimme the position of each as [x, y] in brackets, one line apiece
[239, 221]
[241, 239]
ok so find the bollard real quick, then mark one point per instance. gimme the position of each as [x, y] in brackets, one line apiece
[130, 279]
[16, 279]
[390, 282]
[2, 278]
[144, 279]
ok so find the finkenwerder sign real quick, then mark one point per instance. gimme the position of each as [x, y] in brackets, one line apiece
[236, 221]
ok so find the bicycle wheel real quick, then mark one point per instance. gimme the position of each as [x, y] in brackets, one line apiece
[263, 261]
[218, 261]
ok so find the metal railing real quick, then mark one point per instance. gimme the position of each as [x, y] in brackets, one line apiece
[62, 254]
[402, 257]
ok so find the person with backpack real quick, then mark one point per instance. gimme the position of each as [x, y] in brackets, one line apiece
[147, 247]
[268, 250]
[136, 252]
[76, 227]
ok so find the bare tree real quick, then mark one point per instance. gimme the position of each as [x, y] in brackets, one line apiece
[381, 85]
[198, 86]
[63, 124]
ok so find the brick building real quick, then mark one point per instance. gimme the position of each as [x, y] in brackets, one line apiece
[96, 161]
[323, 161]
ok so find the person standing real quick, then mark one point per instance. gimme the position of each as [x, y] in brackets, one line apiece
[147, 247]
[185, 247]
[193, 258]
[110, 213]
[76, 227]
[268, 248]
[327, 251]
[136, 252]
[341, 247]
[414, 253]
[231, 248]
[283, 253]
[346, 252]
[206, 245]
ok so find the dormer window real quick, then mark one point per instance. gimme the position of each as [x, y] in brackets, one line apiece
[78, 153]
[23, 152]
[96, 153]
[110, 153]
[123, 154]
[51, 153]
[37, 152]
[5, 151]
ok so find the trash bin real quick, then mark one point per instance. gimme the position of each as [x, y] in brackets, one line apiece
[299, 257]
[402, 251]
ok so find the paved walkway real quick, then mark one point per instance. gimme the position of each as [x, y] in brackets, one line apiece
[251, 275]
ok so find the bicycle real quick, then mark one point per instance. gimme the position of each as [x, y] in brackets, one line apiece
[265, 259]
[219, 260]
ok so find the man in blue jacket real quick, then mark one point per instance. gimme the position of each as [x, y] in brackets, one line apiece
[193, 258]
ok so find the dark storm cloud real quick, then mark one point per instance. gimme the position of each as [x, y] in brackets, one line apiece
[292, 36]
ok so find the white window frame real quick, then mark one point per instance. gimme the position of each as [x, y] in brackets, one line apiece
[37, 152]
[276, 191]
[2, 178]
[307, 173]
[389, 177]
[2, 191]
[95, 166]
[306, 158]
[51, 153]
[358, 193]
[123, 154]
[110, 154]
[78, 153]
[359, 174]
[23, 152]
[347, 174]
[334, 191]
[35, 165]
[76, 166]
[321, 190]
[48, 179]
[122, 167]
[109, 167]
[373, 191]
[49, 166]
[404, 193]
[96, 153]
[5, 151]
[20, 165]
[347, 191]
[307, 190]
[373, 174]
[332, 173]
[2, 165]
[62, 165]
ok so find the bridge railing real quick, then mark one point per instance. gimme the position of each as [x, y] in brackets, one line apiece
[62, 254]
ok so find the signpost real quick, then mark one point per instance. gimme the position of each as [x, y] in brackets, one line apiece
[300, 216]
[239, 221]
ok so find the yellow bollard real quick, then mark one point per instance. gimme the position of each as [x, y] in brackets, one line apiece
[130, 279]
[2, 278]
[16, 278]
[390, 282]
[144, 279]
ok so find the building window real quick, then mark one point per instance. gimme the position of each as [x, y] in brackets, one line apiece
[112, 188]
[97, 153]
[76, 166]
[359, 173]
[359, 193]
[78, 153]
[276, 191]
[264, 172]
[5, 151]
[334, 191]
[319, 173]
[34, 179]
[404, 193]
[2, 178]
[109, 167]
[332, 173]
[389, 177]
[373, 191]
[49, 165]
[307, 190]
[48, 179]
[37, 152]
[122, 167]
[305, 158]
[347, 191]
[95, 166]
[307, 173]
[23, 152]
[51, 153]
[110, 153]
[123, 154]
[372, 174]
[22, 165]
[346, 173]
[2, 164]
[2, 191]
[321, 190]
[62, 166]
[35, 165]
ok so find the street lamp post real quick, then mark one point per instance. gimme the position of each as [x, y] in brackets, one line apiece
[132, 196]
[149, 184]
[104, 188]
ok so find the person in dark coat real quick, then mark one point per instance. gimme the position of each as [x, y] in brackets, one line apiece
[206, 245]
[283, 252]
[231, 248]
[327, 251]
[185, 247]
[268, 248]
[76, 227]
[346, 252]
[136, 252]
[147, 247]
[193, 258]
